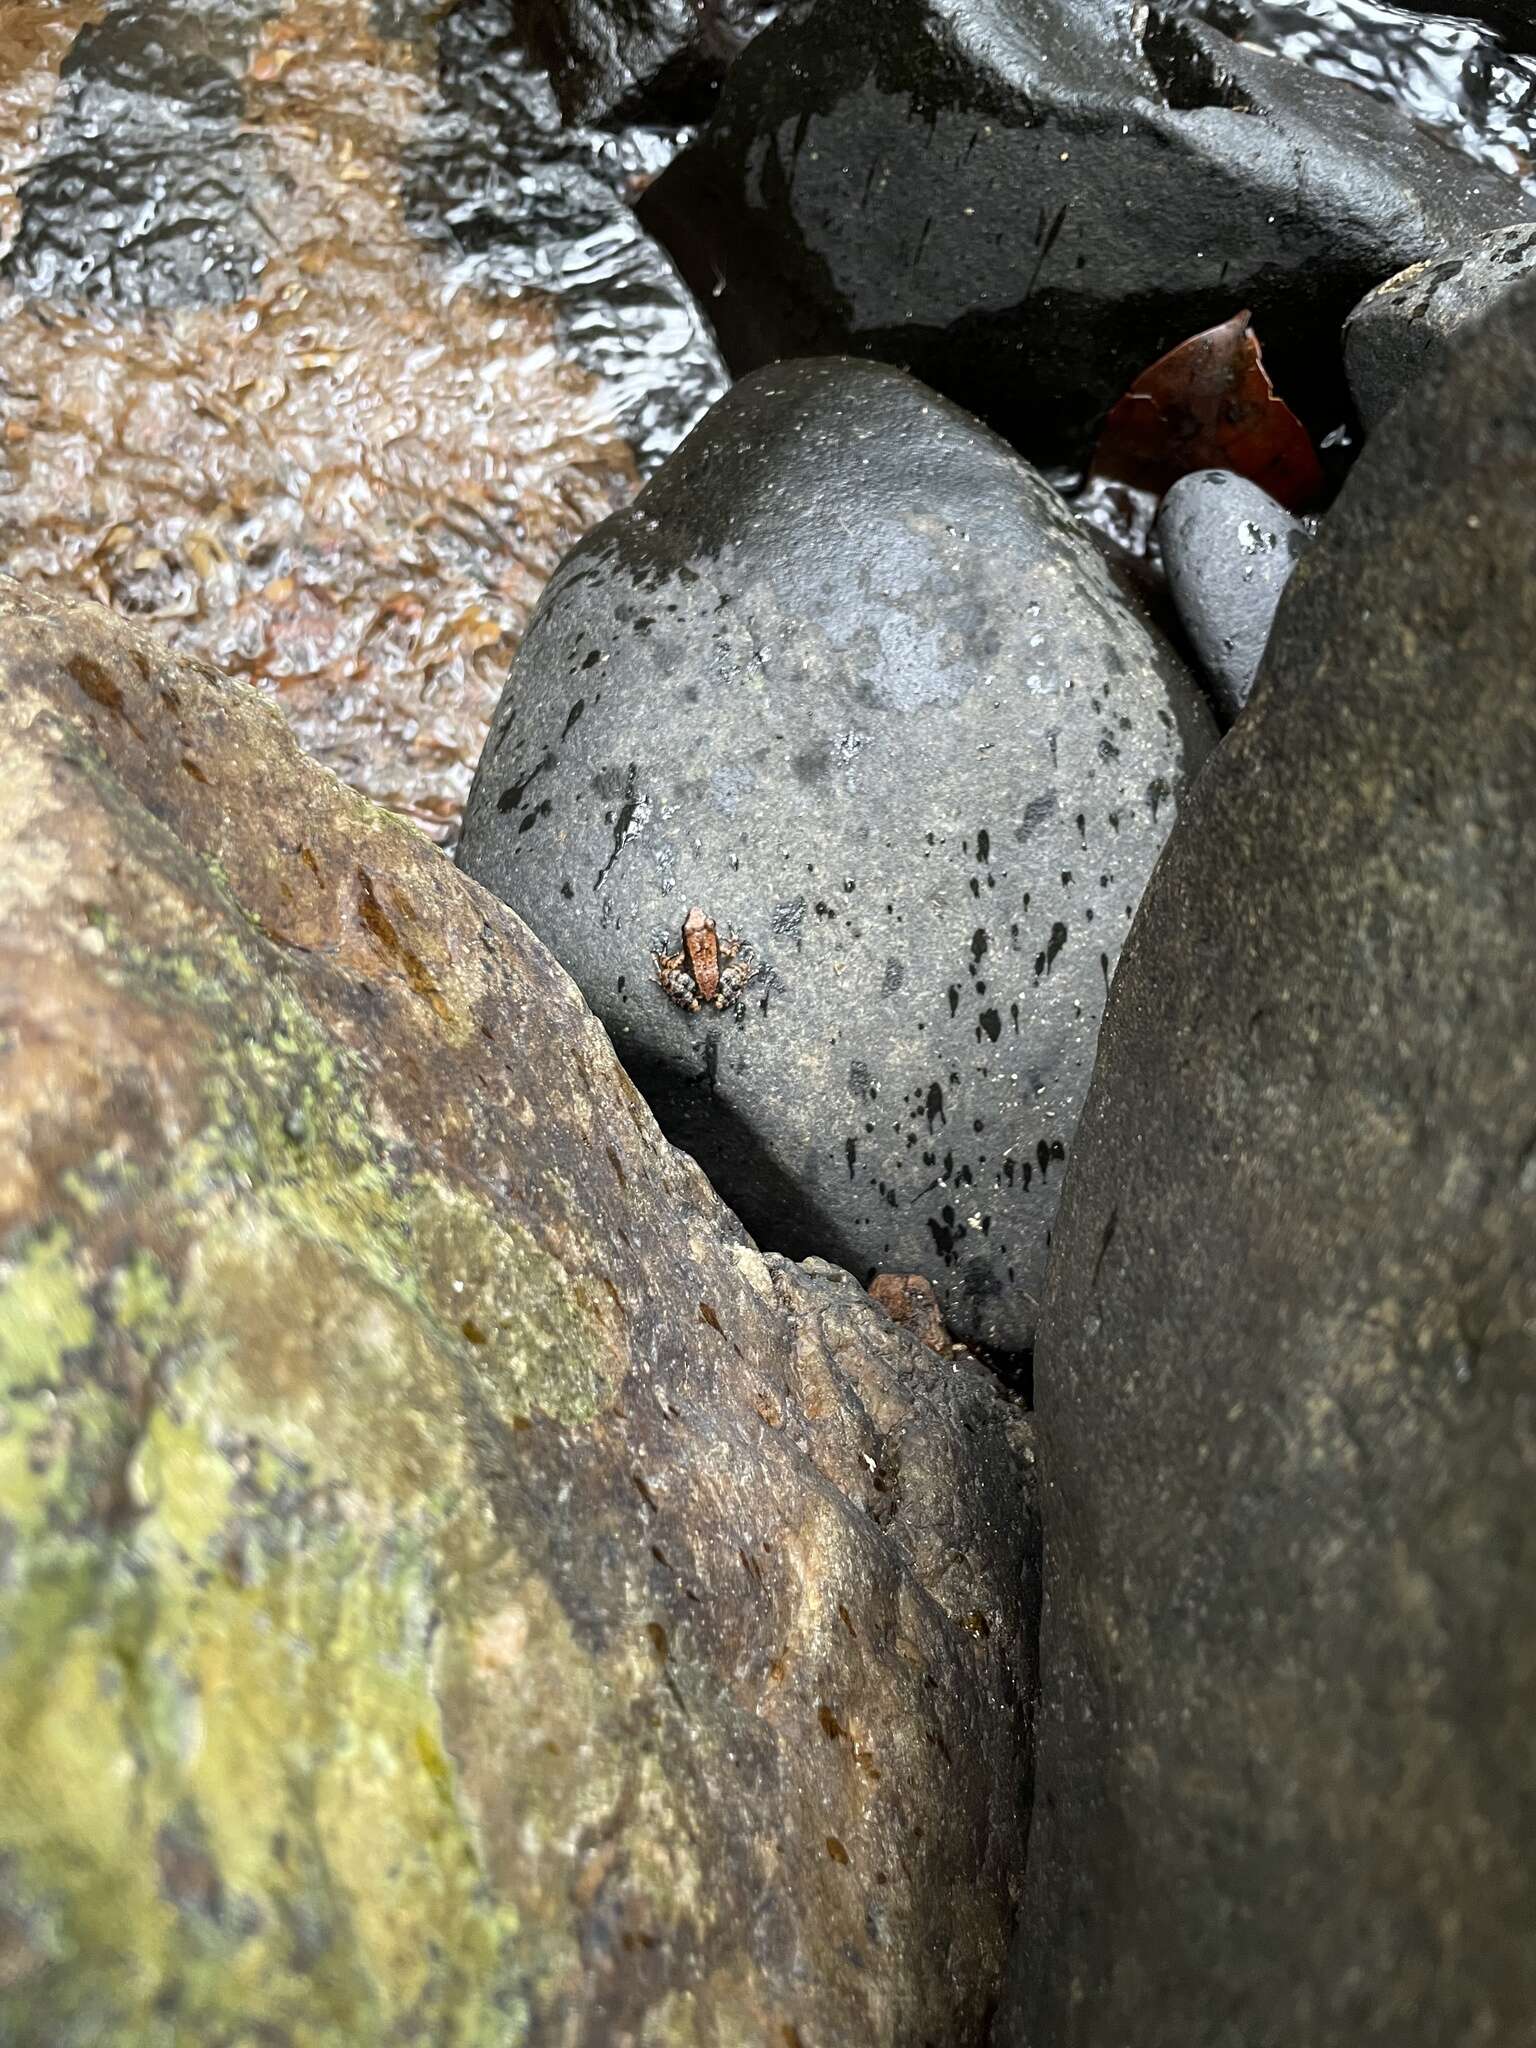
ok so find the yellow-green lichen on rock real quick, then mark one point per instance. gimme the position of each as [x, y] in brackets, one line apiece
[453, 1590]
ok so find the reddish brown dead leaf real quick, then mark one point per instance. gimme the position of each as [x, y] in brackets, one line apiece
[1209, 404]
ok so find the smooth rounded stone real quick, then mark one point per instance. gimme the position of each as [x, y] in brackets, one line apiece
[1287, 1364]
[456, 1589]
[628, 57]
[1228, 550]
[1025, 206]
[848, 678]
[1402, 327]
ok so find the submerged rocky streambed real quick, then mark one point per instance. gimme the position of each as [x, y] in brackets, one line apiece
[1016, 817]
[324, 365]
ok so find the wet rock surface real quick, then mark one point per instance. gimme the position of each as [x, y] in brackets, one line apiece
[1285, 1367]
[1402, 327]
[1025, 207]
[606, 57]
[1453, 77]
[1228, 550]
[456, 1589]
[317, 353]
[848, 678]
[1511, 19]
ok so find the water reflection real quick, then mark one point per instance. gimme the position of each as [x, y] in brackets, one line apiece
[1452, 76]
[320, 379]
[321, 340]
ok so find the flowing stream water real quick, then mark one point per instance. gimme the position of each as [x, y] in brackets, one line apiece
[320, 340]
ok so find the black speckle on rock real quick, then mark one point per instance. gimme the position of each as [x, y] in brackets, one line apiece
[1036, 812]
[788, 919]
[511, 798]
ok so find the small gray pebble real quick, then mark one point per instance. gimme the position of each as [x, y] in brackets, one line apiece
[1229, 550]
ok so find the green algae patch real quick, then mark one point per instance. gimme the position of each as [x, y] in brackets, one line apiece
[537, 1339]
[216, 1803]
[56, 1419]
[44, 1314]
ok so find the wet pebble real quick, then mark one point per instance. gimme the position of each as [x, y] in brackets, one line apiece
[1228, 550]
[848, 678]
[1401, 328]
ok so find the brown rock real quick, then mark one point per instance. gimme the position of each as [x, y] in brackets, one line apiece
[456, 1588]
[911, 1300]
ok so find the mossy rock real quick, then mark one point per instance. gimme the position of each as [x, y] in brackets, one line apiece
[455, 1590]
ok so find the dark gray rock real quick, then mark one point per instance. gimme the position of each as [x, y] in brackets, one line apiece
[1229, 550]
[1287, 1363]
[1026, 206]
[849, 677]
[1514, 20]
[623, 57]
[1399, 329]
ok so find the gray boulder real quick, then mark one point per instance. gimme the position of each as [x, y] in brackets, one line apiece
[620, 58]
[1287, 1367]
[1027, 205]
[1400, 328]
[849, 679]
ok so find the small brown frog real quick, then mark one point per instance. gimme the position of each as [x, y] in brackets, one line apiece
[706, 968]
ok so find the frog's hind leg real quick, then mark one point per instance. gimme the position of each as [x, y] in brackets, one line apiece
[674, 982]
